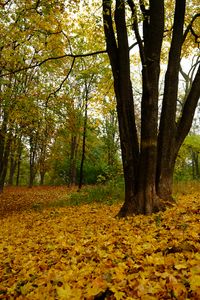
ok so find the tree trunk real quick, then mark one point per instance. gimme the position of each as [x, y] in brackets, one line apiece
[167, 150]
[148, 169]
[5, 143]
[4, 162]
[139, 167]
[73, 160]
[164, 185]
[13, 165]
[42, 175]
[195, 164]
[32, 158]
[84, 138]
[19, 162]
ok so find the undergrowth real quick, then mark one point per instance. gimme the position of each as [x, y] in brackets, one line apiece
[109, 194]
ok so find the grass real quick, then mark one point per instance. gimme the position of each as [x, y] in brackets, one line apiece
[110, 193]
[186, 187]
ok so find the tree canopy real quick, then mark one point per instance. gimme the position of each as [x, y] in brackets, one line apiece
[57, 92]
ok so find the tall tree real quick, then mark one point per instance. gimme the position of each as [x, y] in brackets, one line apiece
[148, 163]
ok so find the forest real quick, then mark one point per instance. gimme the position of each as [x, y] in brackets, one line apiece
[99, 149]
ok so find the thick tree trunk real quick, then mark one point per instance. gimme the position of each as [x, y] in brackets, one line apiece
[164, 185]
[148, 169]
[145, 196]
[167, 150]
[120, 62]
[139, 168]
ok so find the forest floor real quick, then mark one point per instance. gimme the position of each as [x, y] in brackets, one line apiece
[51, 250]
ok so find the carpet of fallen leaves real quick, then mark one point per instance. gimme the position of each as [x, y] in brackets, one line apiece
[84, 252]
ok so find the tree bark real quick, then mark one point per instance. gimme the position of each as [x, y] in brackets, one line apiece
[33, 139]
[120, 62]
[148, 168]
[167, 151]
[13, 165]
[84, 137]
[139, 167]
[73, 159]
[19, 161]
[5, 142]
[4, 161]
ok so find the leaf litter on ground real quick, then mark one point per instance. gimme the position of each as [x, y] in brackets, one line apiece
[84, 252]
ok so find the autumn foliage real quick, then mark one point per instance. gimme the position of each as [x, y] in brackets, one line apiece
[84, 252]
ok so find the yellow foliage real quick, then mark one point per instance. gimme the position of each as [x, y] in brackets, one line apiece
[84, 252]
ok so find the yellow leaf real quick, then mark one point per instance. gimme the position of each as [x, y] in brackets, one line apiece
[194, 282]
[181, 266]
[64, 292]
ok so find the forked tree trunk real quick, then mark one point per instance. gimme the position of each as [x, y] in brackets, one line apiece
[148, 168]
[139, 166]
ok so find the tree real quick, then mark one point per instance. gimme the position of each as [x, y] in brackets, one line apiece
[148, 164]
[192, 144]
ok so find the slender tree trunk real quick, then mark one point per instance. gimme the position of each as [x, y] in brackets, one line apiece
[73, 159]
[84, 140]
[42, 175]
[42, 165]
[32, 159]
[195, 165]
[4, 162]
[13, 165]
[19, 163]
[5, 142]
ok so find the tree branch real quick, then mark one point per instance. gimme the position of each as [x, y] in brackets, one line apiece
[135, 29]
[188, 111]
[62, 82]
[190, 29]
[53, 58]
[112, 48]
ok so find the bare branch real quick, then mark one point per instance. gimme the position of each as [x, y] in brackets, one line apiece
[5, 3]
[63, 81]
[190, 29]
[53, 58]
[188, 110]
[136, 30]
